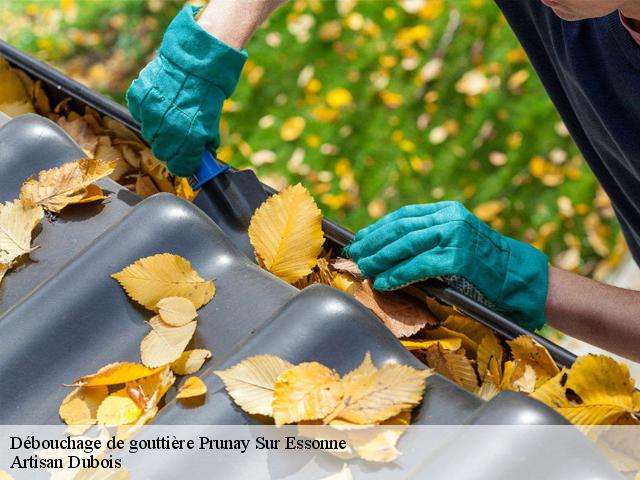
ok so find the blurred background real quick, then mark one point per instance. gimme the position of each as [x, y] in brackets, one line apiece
[371, 105]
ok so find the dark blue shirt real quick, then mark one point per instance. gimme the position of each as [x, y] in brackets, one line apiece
[591, 70]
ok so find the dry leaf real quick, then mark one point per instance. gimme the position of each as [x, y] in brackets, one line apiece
[346, 283]
[286, 232]
[150, 279]
[80, 407]
[487, 391]
[145, 186]
[14, 99]
[176, 311]
[526, 350]
[308, 391]
[526, 382]
[157, 171]
[190, 361]
[446, 343]
[118, 409]
[489, 348]
[43, 107]
[467, 326]
[115, 373]
[164, 343]
[440, 333]
[455, 366]
[401, 313]
[603, 386]
[65, 185]
[192, 387]
[17, 222]
[348, 266]
[373, 395]
[251, 382]
[439, 310]
[108, 153]
[184, 190]
[81, 132]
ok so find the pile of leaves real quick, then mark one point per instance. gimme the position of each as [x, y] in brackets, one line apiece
[49, 192]
[126, 394]
[313, 394]
[101, 137]
[286, 232]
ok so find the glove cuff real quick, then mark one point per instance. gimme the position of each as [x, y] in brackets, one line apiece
[192, 49]
[526, 283]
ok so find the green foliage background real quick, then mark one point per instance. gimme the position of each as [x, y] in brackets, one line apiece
[368, 156]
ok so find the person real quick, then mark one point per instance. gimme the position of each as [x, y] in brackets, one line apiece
[587, 54]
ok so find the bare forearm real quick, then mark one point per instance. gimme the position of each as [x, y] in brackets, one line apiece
[235, 21]
[602, 315]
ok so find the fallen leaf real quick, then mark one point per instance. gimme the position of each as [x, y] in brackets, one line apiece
[42, 105]
[190, 361]
[58, 187]
[348, 266]
[115, 373]
[157, 171]
[527, 381]
[118, 409]
[526, 350]
[164, 344]
[80, 407]
[192, 387]
[467, 326]
[14, 99]
[455, 366]
[150, 279]
[487, 390]
[489, 348]
[292, 128]
[145, 186]
[286, 232]
[251, 382]
[108, 153]
[446, 343]
[176, 311]
[401, 313]
[17, 223]
[439, 310]
[308, 391]
[440, 333]
[376, 395]
[81, 132]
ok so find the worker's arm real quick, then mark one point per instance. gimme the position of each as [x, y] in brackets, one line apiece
[600, 314]
[178, 96]
[445, 240]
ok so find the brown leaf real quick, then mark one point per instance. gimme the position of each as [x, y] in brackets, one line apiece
[401, 313]
[455, 366]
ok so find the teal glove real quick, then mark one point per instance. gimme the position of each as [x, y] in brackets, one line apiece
[178, 97]
[444, 239]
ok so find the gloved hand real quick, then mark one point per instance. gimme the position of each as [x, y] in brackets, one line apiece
[178, 96]
[444, 239]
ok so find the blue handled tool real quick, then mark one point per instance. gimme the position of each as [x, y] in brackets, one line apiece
[209, 169]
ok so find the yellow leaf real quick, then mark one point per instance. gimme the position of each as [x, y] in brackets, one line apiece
[190, 361]
[454, 366]
[525, 382]
[552, 392]
[440, 333]
[467, 326]
[446, 343]
[377, 444]
[526, 350]
[16, 224]
[345, 282]
[292, 129]
[157, 171]
[176, 311]
[150, 279]
[286, 232]
[308, 391]
[151, 389]
[487, 391]
[401, 313]
[14, 99]
[115, 373]
[381, 394]
[251, 382]
[65, 185]
[81, 405]
[164, 343]
[41, 100]
[489, 348]
[192, 387]
[118, 409]
[184, 190]
[441, 311]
